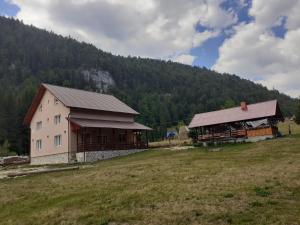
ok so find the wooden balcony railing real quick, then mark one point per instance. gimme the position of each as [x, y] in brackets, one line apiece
[223, 135]
[86, 147]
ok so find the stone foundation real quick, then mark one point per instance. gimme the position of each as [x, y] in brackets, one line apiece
[50, 159]
[259, 138]
[101, 155]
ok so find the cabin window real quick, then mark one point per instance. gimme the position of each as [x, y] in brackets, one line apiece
[39, 125]
[87, 139]
[57, 140]
[104, 140]
[122, 137]
[57, 119]
[55, 101]
[38, 144]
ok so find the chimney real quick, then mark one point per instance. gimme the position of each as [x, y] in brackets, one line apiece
[244, 106]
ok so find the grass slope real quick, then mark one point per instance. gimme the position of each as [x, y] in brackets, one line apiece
[255, 183]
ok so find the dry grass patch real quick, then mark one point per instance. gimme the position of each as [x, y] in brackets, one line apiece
[255, 183]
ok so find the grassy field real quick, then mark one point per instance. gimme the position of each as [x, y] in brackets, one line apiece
[284, 127]
[256, 183]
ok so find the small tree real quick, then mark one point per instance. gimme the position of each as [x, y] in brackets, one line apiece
[229, 103]
[193, 135]
[4, 149]
[297, 118]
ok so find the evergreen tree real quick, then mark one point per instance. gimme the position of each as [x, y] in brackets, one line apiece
[297, 118]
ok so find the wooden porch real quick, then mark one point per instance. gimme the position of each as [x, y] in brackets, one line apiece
[235, 134]
[106, 139]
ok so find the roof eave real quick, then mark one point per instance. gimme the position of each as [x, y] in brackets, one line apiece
[34, 105]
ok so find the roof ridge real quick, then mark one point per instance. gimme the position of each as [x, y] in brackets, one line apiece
[237, 107]
[45, 85]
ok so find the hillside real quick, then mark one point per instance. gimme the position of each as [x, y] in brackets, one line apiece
[250, 184]
[163, 92]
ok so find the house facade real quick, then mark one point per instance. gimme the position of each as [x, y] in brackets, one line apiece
[69, 125]
[245, 123]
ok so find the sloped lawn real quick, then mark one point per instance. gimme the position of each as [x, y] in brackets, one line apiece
[241, 184]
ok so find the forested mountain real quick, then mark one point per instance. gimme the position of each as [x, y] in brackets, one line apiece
[163, 92]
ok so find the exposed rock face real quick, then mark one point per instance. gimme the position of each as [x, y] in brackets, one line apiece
[103, 79]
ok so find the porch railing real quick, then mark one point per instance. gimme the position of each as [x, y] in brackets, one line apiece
[93, 146]
[223, 135]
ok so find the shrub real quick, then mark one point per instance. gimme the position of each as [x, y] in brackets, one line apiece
[228, 195]
[256, 204]
[262, 192]
[4, 149]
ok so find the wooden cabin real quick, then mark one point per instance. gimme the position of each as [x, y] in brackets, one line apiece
[248, 122]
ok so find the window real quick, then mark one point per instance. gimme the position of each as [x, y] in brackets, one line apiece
[104, 140]
[41, 108]
[57, 119]
[55, 101]
[122, 138]
[38, 144]
[87, 139]
[39, 125]
[57, 140]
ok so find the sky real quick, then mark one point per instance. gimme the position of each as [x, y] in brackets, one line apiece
[254, 39]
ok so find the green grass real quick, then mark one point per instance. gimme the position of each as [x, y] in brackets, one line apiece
[257, 183]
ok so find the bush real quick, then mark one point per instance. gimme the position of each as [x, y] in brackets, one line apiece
[228, 195]
[262, 192]
[193, 135]
[5, 149]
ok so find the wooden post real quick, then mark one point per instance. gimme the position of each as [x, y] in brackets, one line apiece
[76, 139]
[100, 135]
[147, 144]
[133, 134]
[83, 144]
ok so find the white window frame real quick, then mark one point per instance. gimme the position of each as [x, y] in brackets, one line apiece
[57, 119]
[38, 144]
[39, 125]
[57, 141]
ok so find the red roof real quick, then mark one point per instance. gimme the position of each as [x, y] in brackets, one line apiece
[254, 111]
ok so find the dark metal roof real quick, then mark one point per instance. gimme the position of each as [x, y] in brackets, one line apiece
[75, 98]
[109, 124]
[254, 111]
[88, 100]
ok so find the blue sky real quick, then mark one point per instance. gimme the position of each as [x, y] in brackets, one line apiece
[251, 38]
[8, 9]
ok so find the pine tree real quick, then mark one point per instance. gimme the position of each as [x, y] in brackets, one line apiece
[297, 119]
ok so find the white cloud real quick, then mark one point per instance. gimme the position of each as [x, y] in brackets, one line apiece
[147, 28]
[184, 59]
[257, 54]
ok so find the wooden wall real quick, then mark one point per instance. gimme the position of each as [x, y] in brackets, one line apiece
[261, 132]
